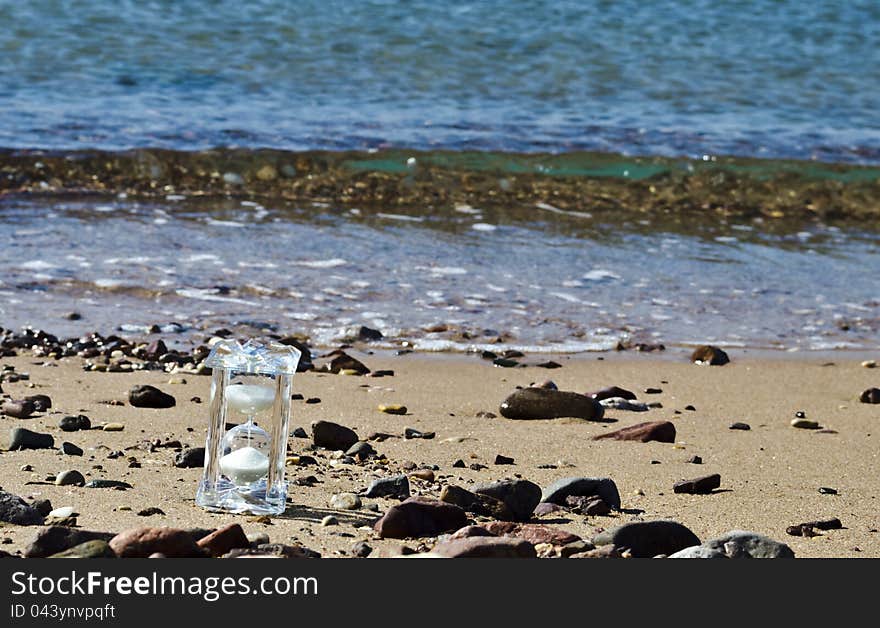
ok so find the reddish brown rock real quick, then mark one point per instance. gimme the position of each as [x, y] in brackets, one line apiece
[486, 547]
[470, 531]
[661, 431]
[141, 542]
[224, 539]
[534, 533]
[420, 516]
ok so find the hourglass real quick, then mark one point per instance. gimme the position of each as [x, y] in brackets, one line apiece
[244, 465]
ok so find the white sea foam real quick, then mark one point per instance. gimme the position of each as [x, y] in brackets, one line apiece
[321, 263]
[482, 226]
[208, 294]
[38, 264]
[600, 274]
[401, 217]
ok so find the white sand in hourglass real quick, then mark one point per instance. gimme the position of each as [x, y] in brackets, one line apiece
[245, 464]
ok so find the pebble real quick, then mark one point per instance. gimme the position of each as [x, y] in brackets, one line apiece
[653, 391]
[805, 424]
[484, 505]
[26, 467]
[149, 512]
[619, 403]
[501, 460]
[394, 486]
[710, 355]
[869, 364]
[75, 423]
[345, 501]
[258, 538]
[392, 409]
[695, 460]
[54, 539]
[661, 431]
[145, 396]
[223, 540]
[329, 520]
[19, 409]
[41, 403]
[872, 395]
[333, 436]
[13, 509]
[90, 549]
[646, 539]
[361, 449]
[423, 474]
[459, 464]
[190, 458]
[533, 532]
[419, 517]
[142, 542]
[108, 484]
[544, 403]
[70, 478]
[300, 433]
[739, 426]
[700, 486]
[485, 547]
[742, 544]
[69, 449]
[21, 438]
[113, 427]
[361, 550]
[62, 512]
[521, 497]
[824, 490]
[605, 488]
[612, 392]
[411, 432]
[344, 364]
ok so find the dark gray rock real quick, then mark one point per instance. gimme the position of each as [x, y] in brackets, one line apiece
[300, 433]
[520, 496]
[13, 509]
[361, 448]
[108, 484]
[42, 506]
[646, 539]
[333, 436]
[709, 354]
[484, 505]
[69, 449]
[395, 486]
[146, 396]
[190, 458]
[21, 438]
[613, 391]
[17, 408]
[582, 487]
[872, 395]
[742, 544]
[54, 539]
[699, 486]
[75, 423]
[90, 549]
[545, 403]
[41, 403]
[70, 478]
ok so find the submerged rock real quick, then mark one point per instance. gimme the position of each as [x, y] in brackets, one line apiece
[546, 403]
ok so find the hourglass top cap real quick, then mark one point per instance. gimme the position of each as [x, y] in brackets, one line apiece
[254, 357]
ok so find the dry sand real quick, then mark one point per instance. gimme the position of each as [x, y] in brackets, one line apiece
[771, 475]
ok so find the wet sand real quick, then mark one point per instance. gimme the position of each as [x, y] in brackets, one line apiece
[770, 475]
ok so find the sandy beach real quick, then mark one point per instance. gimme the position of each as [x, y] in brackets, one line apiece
[770, 474]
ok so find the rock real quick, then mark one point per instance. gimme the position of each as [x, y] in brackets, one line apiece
[258, 538]
[619, 403]
[695, 460]
[54, 539]
[661, 431]
[459, 464]
[141, 542]
[366, 334]
[21, 438]
[150, 511]
[44, 507]
[484, 505]
[329, 520]
[422, 474]
[97, 548]
[604, 488]
[646, 539]
[75, 423]
[872, 395]
[345, 501]
[805, 424]
[361, 550]
[486, 547]
[108, 484]
[70, 478]
[392, 409]
[698, 551]
[870, 364]
[19, 409]
[549, 364]
[499, 459]
[519, 496]
[534, 533]
[825, 490]
[344, 362]
[223, 540]
[300, 433]
[546, 508]
[418, 517]
[13, 509]
[146, 396]
[411, 432]
[709, 354]
[41, 402]
[190, 458]
[741, 544]
[468, 532]
[546, 403]
[394, 486]
[700, 486]
[272, 550]
[361, 449]
[739, 426]
[69, 449]
[333, 436]
[590, 506]
[113, 427]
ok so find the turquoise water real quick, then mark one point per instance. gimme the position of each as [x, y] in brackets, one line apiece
[786, 79]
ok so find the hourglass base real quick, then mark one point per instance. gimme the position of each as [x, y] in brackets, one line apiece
[227, 497]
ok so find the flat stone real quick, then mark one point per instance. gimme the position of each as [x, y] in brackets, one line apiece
[54, 539]
[739, 426]
[273, 550]
[361, 550]
[612, 392]
[345, 501]
[394, 486]
[70, 478]
[411, 432]
[190, 458]
[113, 427]
[392, 409]
[223, 540]
[519, 496]
[108, 484]
[21, 438]
[605, 488]
[619, 403]
[13, 509]
[419, 517]
[485, 547]
[17, 408]
[805, 424]
[742, 544]
[646, 539]
[333, 436]
[69, 449]
[59, 513]
[591, 506]
[300, 433]
[361, 449]
[146, 396]
[141, 542]
[661, 431]
[97, 548]
[709, 355]
[699, 486]
[485, 505]
[502, 460]
[546, 403]
[534, 533]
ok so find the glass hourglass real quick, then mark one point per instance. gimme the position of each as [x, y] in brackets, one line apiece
[245, 448]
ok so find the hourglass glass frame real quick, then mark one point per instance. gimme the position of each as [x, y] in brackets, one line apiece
[220, 489]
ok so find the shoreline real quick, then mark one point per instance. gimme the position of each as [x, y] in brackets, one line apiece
[770, 474]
